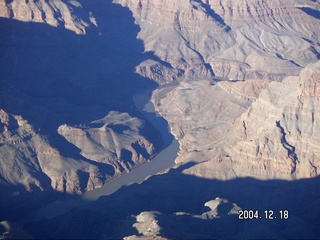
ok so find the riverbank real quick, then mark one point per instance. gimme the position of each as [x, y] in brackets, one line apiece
[159, 163]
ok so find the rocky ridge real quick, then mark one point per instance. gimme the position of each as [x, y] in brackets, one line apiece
[114, 141]
[56, 13]
[235, 110]
[248, 128]
[150, 224]
[243, 40]
[39, 157]
[29, 160]
[230, 55]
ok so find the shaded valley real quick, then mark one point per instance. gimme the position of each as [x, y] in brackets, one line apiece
[149, 119]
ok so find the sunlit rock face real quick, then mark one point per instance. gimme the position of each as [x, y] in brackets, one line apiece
[27, 159]
[109, 147]
[280, 131]
[49, 52]
[231, 103]
[113, 140]
[235, 60]
[56, 13]
[248, 128]
[236, 40]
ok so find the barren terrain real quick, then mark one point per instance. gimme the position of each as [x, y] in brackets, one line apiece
[235, 82]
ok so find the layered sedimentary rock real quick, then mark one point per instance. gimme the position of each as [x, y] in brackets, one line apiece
[280, 131]
[54, 81]
[114, 140]
[56, 13]
[27, 159]
[248, 128]
[228, 54]
[243, 40]
[232, 111]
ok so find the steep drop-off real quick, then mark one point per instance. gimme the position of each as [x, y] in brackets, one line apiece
[271, 132]
[235, 40]
[231, 57]
[60, 73]
[241, 96]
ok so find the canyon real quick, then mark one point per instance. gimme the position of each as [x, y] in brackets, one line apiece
[235, 83]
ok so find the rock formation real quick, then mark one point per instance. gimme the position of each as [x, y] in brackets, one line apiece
[150, 224]
[115, 141]
[56, 13]
[239, 89]
[42, 146]
[281, 127]
[28, 159]
[247, 128]
[227, 54]
[243, 40]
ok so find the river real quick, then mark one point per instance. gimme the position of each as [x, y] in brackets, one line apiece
[160, 162]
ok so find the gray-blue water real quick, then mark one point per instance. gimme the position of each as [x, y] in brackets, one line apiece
[162, 161]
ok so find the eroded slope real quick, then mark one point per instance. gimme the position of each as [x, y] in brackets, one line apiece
[236, 40]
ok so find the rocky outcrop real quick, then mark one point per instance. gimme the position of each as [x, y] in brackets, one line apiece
[280, 129]
[56, 13]
[158, 72]
[153, 225]
[113, 140]
[243, 40]
[250, 128]
[28, 159]
[147, 225]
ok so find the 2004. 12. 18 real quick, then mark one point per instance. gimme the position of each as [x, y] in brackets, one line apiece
[245, 214]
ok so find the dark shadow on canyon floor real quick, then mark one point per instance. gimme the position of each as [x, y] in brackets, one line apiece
[112, 217]
[52, 76]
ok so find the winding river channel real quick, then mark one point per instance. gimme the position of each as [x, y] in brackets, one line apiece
[160, 162]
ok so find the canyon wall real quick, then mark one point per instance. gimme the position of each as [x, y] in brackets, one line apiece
[235, 40]
[234, 59]
[58, 76]
[235, 109]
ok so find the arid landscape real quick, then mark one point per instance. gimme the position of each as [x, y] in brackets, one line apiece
[159, 119]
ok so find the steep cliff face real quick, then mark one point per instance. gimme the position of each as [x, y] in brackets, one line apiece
[236, 40]
[255, 41]
[56, 13]
[115, 140]
[59, 81]
[262, 129]
[222, 55]
[280, 131]
[27, 159]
